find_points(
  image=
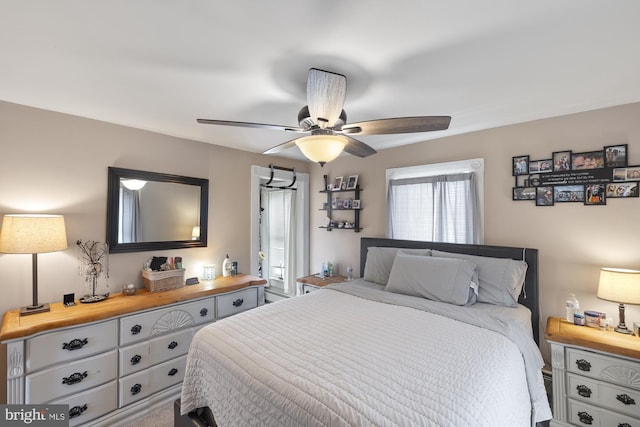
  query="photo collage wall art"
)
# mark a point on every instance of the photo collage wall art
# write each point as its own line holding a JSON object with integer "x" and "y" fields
{"x": 589, "y": 177}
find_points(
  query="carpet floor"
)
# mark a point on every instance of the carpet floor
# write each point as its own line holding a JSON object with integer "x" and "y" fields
{"x": 161, "y": 418}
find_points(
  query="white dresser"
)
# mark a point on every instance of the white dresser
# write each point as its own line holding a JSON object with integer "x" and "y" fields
{"x": 116, "y": 360}
{"x": 596, "y": 376}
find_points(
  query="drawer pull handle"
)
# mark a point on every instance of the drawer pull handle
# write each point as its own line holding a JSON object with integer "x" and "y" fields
{"x": 626, "y": 399}
{"x": 136, "y": 359}
{"x": 137, "y": 388}
{"x": 585, "y": 418}
{"x": 74, "y": 378}
{"x": 76, "y": 411}
{"x": 75, "y": 344}
{"x": 172, "y": 372}
{"x": 624, "y": 425}
{"x": 238, "y": 302}
{"x": 204, "y": 312}
{"x": 584, "y": 391}
{"x": 172, "y": 345}
{"x": 583, "y": 365}
{"x": 135, "y": 330}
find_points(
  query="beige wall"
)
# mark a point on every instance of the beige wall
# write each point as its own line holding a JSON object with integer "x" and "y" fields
{"x": 574, "y": 240}
{"x": 56, "y": 163}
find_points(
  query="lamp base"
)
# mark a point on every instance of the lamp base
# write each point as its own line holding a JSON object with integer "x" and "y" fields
{"x": 34, "y": 309}
{"x": 623, "y": 330}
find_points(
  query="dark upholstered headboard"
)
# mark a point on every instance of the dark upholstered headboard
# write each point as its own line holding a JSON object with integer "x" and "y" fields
{"x": 529, "y": 295}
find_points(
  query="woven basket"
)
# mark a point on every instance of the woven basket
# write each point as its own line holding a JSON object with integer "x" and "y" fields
{"x": 163, "y": 280}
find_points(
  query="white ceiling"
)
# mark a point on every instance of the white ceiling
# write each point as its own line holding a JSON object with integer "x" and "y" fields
{"x": 159, "y": 65}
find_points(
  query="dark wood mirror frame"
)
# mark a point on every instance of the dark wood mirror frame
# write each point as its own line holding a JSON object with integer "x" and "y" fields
{"x": 113, "y": 190}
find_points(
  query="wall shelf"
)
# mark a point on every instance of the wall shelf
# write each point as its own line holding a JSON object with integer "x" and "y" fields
{"x": 330, "y": 210}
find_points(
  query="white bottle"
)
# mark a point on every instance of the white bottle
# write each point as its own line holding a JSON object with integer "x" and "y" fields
{"x": 226, "y": 267}
{"x": 572, "y": 307}
{"x": 349, "y": 273}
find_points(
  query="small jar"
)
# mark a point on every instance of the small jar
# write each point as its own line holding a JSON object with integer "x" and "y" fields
{"x": 209, "y": 272}
{"x": 578, "y": 319}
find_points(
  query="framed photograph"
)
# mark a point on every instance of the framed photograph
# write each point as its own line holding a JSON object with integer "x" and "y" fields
{"x": 544, "y": 196}
{"x": 524, "y": 193}
{"x": 619, "y": 174}
{"x": 337, "y": 183}
{"x": 587, "y": 160}
{"x": 568, "y": 193}
{"x": 352, "y": 182}
{"x": 561, "y": 161}
{"x": 520, "y": 165}
{"x": 615, "y": 156}
{"x": 594, "y": 194}
{"x": 541, "y": 166}
{"x": 633, "y": 173}
{"x": 355, "y": 204}
{"x": 347, "y": 203}
{"x": 616, "y": 190}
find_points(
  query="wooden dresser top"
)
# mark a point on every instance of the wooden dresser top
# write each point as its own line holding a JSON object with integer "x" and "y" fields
{"x": 560, "y": 331}
{"x": 15, "y": 326}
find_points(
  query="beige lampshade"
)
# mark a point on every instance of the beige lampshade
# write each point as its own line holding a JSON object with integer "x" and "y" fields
{"x": 32, "y": 234}
{"x": 322, "y": 148}
{"x": 619, "y": 285}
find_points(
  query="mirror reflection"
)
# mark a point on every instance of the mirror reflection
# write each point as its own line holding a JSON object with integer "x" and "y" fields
{"x": 148, "y": 210}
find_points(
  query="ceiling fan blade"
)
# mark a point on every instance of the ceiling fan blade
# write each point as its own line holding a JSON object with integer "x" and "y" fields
{"x": 358, "y": 148}
{"x": 325, "y": 96}
{"x": 251, "y": 125}
{"x": 398, "y": 125}
{"x": 281, "y": 147}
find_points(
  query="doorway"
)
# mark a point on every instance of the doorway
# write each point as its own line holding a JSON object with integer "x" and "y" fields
{"x": 279, "y": 229}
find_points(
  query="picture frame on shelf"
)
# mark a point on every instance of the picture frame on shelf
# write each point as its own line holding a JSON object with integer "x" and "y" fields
{"x": 352, "y": 182}
{"x": 347, "y": 203}
{"x": 337, "y": 183}
{"x": 355, "y": 204}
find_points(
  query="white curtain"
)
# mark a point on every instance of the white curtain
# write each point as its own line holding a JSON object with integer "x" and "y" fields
{"x": 130, "y": 225}
{"x": 442, "y": 208}
{"x": 290, "y": 239}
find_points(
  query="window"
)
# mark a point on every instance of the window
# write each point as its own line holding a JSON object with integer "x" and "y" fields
{"x": 441, "y": 202}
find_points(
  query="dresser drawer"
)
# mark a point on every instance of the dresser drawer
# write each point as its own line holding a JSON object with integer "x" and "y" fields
{"x": 593, "y": 392}
{"x": 134, "y": 387}
{"x": 599, "y": 366}
{"x": 308, "y": 288}
{"x": 236, "y": 302}
{"x": 142, "y": 326}
{"x": 70, "y": 378}
{"x": 90, "y": 404}
{"x": 167, "y": 374}
{"x": 581, "y": 414}
{"x": 168, "y": 346}
{"x": 70, "y": 344}
{"x": 134, "y": 358}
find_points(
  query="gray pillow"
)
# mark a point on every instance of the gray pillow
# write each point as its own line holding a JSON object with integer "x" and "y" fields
{"x": 380, "y": 260}
{"x": 500, "y": 279}
{"x": 447, "y": 280}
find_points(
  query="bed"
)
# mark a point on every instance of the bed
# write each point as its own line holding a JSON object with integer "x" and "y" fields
{"x": 430, "y": 334}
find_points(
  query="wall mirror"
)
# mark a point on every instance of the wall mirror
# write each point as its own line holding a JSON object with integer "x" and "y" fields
{"x": 149, "y": 211}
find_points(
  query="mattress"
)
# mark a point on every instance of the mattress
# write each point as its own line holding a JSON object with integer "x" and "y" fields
{"x": 353, "y": 355}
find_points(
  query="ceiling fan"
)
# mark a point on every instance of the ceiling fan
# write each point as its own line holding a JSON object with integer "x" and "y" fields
{"x": 325, "y": 122}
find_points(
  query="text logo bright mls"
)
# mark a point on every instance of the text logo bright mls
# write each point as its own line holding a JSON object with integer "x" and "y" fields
{"x": 35, "y": 415}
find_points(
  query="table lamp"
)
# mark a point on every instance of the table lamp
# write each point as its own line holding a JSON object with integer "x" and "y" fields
{"x": 33, "y": 234}
{"x": 621, "y": 286}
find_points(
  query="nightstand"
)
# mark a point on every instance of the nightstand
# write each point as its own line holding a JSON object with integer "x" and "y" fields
{"x": 596, "y": 375}
{"x": 314, "y": 282}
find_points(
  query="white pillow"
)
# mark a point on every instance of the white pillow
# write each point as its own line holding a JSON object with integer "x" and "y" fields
{"x": 440, "y": 279}
{"x": 380, "y": 260}
{"x": 500, "y": 279}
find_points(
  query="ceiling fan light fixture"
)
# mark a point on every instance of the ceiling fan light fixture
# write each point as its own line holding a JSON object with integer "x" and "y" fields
{"x": 322, "y": 148}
